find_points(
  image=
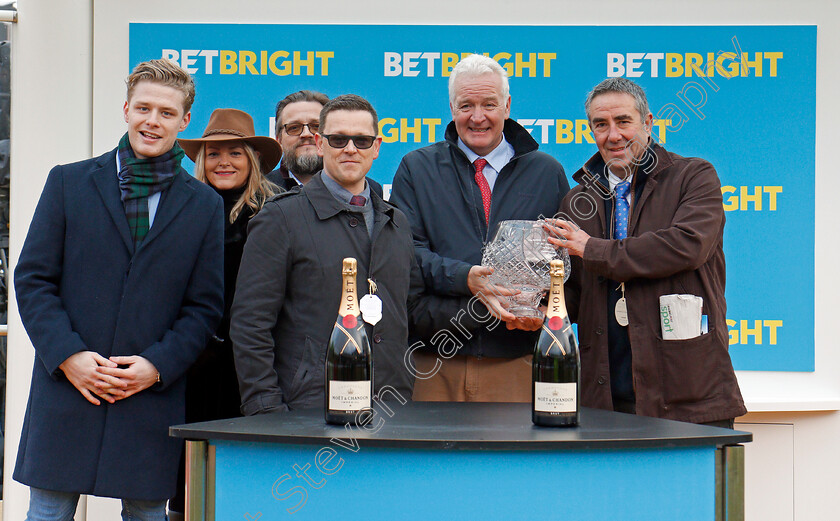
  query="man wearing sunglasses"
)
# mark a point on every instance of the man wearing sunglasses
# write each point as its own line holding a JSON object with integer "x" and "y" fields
{"x": 289, "y": 283}
{"x": 296, "y": 123}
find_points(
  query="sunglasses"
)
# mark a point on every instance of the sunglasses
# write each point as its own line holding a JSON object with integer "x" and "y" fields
{"x": 295, "y": 129}
{"x": 341, "y": 140}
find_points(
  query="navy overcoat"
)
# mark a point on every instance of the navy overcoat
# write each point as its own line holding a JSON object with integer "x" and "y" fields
{"x": 81, "y": 285}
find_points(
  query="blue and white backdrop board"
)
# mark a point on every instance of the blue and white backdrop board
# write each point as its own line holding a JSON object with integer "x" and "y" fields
{"x": 742, "y": 97}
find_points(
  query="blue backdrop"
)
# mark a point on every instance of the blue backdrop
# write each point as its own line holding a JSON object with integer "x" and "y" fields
{"x": 741, "y": 97}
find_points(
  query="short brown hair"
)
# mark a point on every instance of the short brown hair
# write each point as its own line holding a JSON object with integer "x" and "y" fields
{"x": 164, "y": 72}
{"x": 350, "y": 102}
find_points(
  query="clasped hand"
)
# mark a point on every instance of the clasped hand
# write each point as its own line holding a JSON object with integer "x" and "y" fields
{"x": 110, "y": 379}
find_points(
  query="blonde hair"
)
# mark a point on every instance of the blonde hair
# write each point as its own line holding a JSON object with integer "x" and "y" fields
{"x": 258, "y": 189}
{"x": 166, "y": 73}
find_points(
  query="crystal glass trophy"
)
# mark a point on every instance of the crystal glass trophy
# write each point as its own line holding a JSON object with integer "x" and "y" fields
{"x": 520, "y": 255}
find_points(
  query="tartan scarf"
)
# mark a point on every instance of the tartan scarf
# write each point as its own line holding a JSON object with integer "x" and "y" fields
{"x": 141, "y": 178}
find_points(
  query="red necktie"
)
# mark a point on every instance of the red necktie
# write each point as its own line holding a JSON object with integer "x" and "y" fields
{"x": 480, "y": 163}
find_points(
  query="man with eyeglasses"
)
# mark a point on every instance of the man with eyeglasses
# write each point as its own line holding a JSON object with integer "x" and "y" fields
{"x": 289, "y": 283}
{"x": 454, "y": 193}
{"x": 295, "y": 126}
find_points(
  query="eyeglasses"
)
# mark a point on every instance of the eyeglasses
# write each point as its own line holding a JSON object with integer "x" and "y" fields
{"x": 341, "y": 140}
{"x": 295, "y": 129}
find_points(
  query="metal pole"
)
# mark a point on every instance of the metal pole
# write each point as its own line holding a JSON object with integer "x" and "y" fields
{"x": 196, "y": 480}
{"x": 729, "y": 483}
{"x": 734, "y": 456}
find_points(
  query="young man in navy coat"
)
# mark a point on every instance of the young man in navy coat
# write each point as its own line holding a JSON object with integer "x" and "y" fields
{"x": 119, "y": 286}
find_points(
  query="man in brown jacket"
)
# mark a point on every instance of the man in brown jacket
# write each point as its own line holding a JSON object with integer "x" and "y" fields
{"x": 643, "y": 223}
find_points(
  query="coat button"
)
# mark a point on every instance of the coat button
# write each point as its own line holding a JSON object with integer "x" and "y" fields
{"x": 599, "y": 331}
{"x": 377, "y": 338}
{"x": 354, "y": 222}
{"x": 601, "y": 380}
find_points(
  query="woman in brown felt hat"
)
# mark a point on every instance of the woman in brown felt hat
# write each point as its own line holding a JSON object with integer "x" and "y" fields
{"x": 231, "y": 159}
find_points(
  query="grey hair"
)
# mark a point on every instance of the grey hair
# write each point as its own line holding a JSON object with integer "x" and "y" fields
{"x": 620, "y": 85}
{"x": 478, "y": 65}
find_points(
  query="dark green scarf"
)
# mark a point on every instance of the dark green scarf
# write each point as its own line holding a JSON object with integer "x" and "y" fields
{"x": 141, "y": 178}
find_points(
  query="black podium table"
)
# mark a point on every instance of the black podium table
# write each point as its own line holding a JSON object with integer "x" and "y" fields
{"x": 431, "y": 461}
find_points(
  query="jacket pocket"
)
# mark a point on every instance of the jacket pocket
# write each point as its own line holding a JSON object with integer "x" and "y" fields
{"x": 306, "y": 380}
{"x": 690, "y": 368}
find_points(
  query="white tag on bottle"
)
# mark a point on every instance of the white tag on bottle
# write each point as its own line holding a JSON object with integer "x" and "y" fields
{"x": 621, "y": 312}
{"x": 371, "y": 308}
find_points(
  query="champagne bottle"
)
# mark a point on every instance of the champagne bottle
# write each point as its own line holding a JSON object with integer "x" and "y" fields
{"x": 556, "y": 366}
{"x": 349, "y": 361}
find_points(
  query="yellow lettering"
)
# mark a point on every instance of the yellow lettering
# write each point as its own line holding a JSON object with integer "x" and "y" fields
{"x": 755, "y": 64}
{"x": 309, "y": 63}
{"x": 673, "y": 65}
{"x": 393, "y": 130}
{"x": 693, "y": 61}
{"x": 710, "y": 64}
{"x": 734, "y": 66}
{"x": 582, "y": 131}
{"x": 431, "y": 125}
{"x": 755, "y": 198}
{"x": 742, "y": 201}
{"x": 741, "y": 335}
{"x": 772, "y": 325}
{"x": 733, "y": 333}
{"x": 731, "y": 203}
{"x": 662, "y": 125}
{"x": 227, "y": 62}
{"x": 746, "y": 332}
{"x": 448, "y": 61}
{"x": 325, "y": 56}
{"x": 392, "y": 135}
{"x": 772, "y": 190}
{"x": 773, "y": 56}
{"x": 565, "y": 135}
{"x": 247, "y": 59}
{"x": 286, "y": 65}
{"x": 546, "y": 58}
{"x": 507, "y": 65}
{"x": 530, "y": 64}
{"x": 415, "y": 130}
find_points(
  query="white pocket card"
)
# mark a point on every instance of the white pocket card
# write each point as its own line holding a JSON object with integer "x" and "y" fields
{"x": 680, "y": 316}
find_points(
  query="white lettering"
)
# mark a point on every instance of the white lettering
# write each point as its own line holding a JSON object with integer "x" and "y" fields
{"x": 392, "y": 64}
{"x": 615, "y": 65}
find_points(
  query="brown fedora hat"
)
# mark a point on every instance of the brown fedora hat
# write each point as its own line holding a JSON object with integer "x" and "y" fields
{"x": 235, "y": 125}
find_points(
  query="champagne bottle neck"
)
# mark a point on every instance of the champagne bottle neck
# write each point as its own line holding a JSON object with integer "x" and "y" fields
{"x": 556, "y": 299}
{"x": 349, "y": 299}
